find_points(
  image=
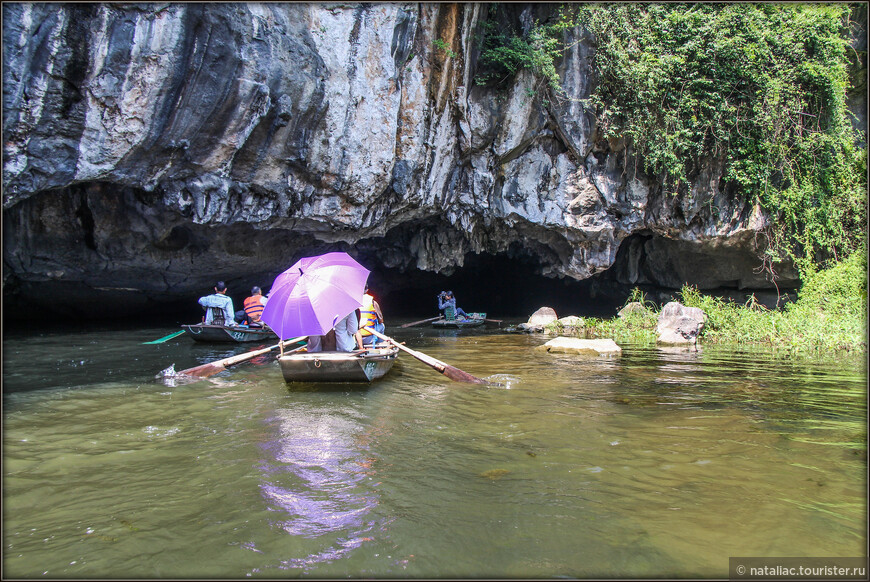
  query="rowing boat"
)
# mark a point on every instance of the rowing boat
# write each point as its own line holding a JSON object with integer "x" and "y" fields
{"x": 338, "y": 366}
{"x": 472, "y": 320}
{"x": 209, "y": 333}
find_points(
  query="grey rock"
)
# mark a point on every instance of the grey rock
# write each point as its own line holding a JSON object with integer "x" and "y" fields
{"x": 542, "y": 317}
{"x": 587, "y": 347}
{"x": 633, "y": 307}
{"x": 678, "y": 324}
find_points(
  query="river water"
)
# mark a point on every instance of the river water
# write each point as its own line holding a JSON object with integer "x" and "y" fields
{"x": 655, "y": 463}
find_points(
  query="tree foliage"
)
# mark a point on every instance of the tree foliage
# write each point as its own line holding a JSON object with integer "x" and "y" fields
{"x": 760, "y": 88}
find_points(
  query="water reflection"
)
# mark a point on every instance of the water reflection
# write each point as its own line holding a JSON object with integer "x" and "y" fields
{"x": 315, "y": 480}
{"x": 659, "y": 463}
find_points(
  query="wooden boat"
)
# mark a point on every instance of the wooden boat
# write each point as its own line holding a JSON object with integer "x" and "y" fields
{"x": 473, "y": 320}
{"x": 202, "y": 332}
{"x": 338, "y": 366}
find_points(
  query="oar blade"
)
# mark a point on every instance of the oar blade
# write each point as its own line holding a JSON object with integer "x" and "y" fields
{"x": 205, "y": 370}
{"x": 164, "y": 338}
{"x": 458, "y": 375}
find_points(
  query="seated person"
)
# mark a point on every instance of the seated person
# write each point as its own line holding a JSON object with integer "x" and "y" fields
{"x": 321, "y": 343}
{"x": 370, "y": 316}
{"x": 344, "y": 337}
{"x": 253, "y": 308}
{"x": 218, "y": 306}
{"x": 445, "y": 300}
{"x": 347, "y": 335}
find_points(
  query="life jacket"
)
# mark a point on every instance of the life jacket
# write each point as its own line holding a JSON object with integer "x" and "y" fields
{"x": 254, "y": 307}
{"x": 367, "y": 314}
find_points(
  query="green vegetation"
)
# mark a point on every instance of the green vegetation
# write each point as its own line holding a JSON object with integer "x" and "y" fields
{"x": 759, "y": 88}
{"x": 830, "y": 314}
{"x": 441, "y": 44}
{"x": 505, "y": 53}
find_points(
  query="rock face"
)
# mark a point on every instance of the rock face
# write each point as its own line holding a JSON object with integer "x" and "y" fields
{"x": 679, "y": 325}
{"x": 151, "y": 149}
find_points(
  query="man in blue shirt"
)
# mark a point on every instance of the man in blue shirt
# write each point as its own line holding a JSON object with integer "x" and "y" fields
{"x": 218, "y": 302}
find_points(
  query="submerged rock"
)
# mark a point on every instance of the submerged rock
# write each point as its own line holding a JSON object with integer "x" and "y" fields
{"x": 494, "y": 474}
{"x": 587, "y": 347}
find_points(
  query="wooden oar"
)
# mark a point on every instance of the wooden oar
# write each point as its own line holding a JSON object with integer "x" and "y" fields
{"x": 212, "y": 368}
{"x": 421, "y": 321}
{"x": 166, "y": 338}
{"x": 451, "y": 372}
{"x": 498, "y": 321}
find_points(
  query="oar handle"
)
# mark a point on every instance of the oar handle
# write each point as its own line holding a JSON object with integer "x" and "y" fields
{"x": 212, "y": 368}
{"x": 437, "y": 364}
{"x": 421, "y": 321}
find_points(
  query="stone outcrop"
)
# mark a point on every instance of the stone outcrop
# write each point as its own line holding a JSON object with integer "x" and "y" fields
{"x": 542, "y": 317}
{"x": 152, "y": 148}
{"x": 538, "y": 321}
{"x": 678, "y": 324}
{"x": 584, "y": 347}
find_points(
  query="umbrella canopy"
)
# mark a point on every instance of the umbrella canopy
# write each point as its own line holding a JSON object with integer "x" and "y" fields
{"x": 314, "y": 294}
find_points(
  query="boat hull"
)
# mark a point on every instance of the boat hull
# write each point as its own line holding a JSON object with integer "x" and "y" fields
{"x": 329, "y": 367}
{"x": 473, "y": 320}
{"x": 221, "y": 333}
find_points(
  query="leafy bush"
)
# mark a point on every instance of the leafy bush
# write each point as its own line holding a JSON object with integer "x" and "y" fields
{"x": 761, "y": 87}
{"x": 830, "y": 313}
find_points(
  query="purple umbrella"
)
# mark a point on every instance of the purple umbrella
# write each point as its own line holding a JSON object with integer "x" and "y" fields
{"x": 314, "y": 294}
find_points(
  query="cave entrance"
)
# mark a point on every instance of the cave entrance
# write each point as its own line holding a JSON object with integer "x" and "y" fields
{"x": 501, "y": 286}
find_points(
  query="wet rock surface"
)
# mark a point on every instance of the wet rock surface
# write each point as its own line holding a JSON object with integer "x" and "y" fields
{"x": 150, "y": 150}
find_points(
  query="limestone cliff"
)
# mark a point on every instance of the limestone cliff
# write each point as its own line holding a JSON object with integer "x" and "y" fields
{"x": 151, "y": 148}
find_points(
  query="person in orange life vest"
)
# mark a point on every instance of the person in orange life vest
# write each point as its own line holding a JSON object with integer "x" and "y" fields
{"x": 370, "y": 315}
{"x": 253, "y": 308}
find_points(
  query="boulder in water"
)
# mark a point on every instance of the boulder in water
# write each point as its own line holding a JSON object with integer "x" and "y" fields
{"x": 587, "y": 347}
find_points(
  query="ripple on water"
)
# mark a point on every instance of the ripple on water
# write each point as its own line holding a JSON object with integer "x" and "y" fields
{"x": 653, "y": 464}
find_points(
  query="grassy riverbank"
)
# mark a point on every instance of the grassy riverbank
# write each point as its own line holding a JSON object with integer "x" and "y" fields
{"x": 829, "y": 314}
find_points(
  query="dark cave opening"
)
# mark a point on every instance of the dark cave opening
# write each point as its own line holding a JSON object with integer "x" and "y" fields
{"x": 502, "y": 287}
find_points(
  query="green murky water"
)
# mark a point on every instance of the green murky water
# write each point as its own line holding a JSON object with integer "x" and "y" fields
{"x": 660, "y": 462}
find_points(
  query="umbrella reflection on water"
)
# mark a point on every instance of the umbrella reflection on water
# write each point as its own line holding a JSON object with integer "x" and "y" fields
{"x": 314, "y": 483}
